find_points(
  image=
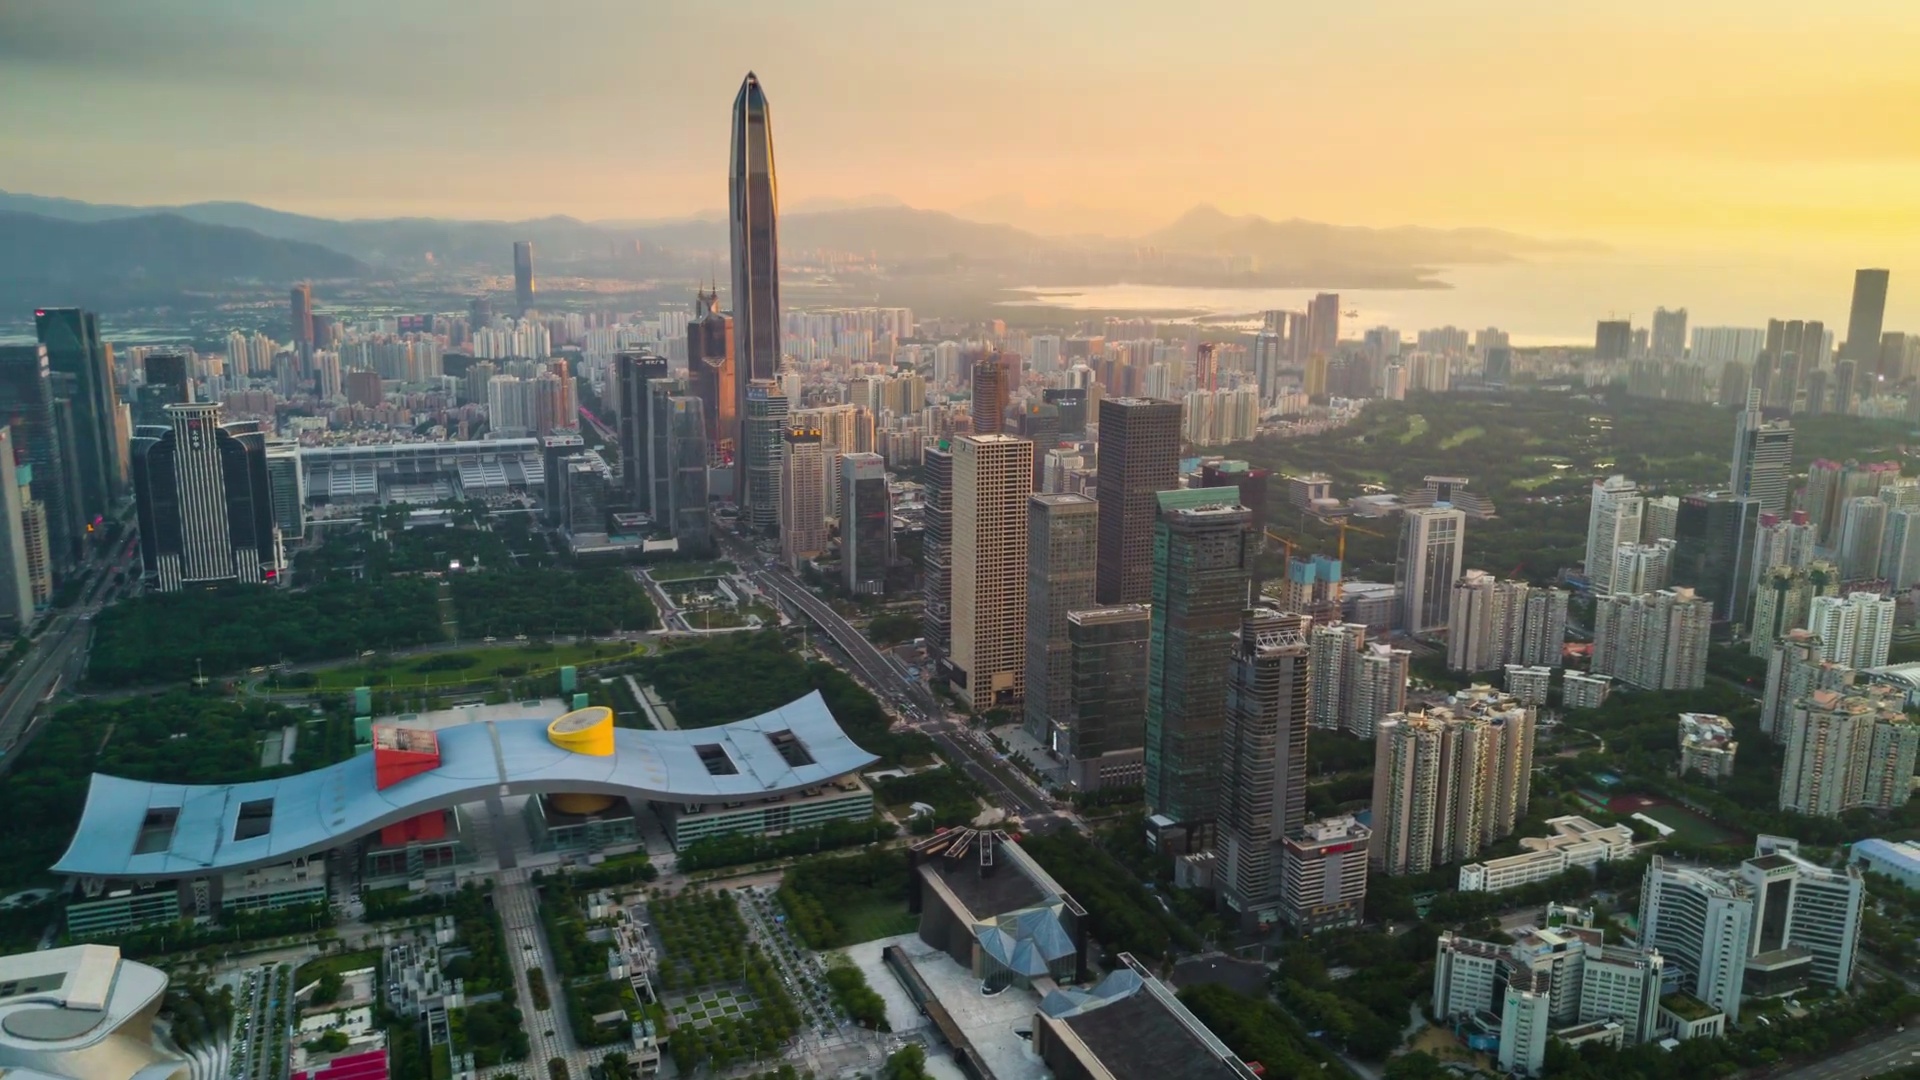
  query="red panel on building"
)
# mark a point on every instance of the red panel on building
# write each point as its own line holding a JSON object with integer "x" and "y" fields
{"x": 402, "y": 752}
{"x": 368, "y": 1066}
{"x": 428, "y": 826}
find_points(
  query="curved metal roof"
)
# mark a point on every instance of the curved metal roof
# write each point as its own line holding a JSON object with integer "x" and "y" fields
{"x": 317, "y": 810}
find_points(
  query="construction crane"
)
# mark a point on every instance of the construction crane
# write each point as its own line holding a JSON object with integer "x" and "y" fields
{"x": 1340, "y": 551}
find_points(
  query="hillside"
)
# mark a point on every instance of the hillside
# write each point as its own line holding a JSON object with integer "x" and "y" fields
{"x": 152, "y": 251}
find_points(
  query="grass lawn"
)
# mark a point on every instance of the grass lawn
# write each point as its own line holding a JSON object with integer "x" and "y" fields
{"x": 1416, "y": 427}
{"x": 681, "y": 571}
{"x": 337, "y": 962}
{"x": 486, "y": 664}
{"x": 1461, "y": 437}
{"x": 1690, "y": 826}
{"x": 870, "y": 921}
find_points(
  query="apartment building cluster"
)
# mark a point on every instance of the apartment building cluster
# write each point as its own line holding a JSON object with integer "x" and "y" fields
{"x": 1450, "y": 780}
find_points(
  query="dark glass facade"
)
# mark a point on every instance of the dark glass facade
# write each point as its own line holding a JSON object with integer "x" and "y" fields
{"x": 1139, "y": 458}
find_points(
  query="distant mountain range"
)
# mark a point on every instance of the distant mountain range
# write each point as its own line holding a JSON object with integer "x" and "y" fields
{"x": 149, "y": 255}
{"x": 64, "y": 241}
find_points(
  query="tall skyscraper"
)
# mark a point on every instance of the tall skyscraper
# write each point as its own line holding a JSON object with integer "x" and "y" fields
{"x": 632, "y": 371}
{"x": 1713, "y": 549}
{"x": 1432, "y": 543}
{"x": 1106, "y": 723}
{"x": 1448, "y": 782}
{"x": 1263, "y": 755}
{"x": 1062, "y": 537}
{"x": 26, "y": 404}
{"x": 301, "y": 317}
{"x": 803, "y": 484}
{"x": 711, "y": 369}
{"x": 16, "y": 575}
{"x": 1139, "y": 458}
{"x": 691, "y": 527}
{"x": 936, "y": 553}
{"x": 1612, "y": 339}
{"x": 1202, "y": 563}
{"x": 74, "y": 349}
{"x": 1669, "y": 334}
{"x": 753, "y": 197}
{"x": 523, "y": 276}
{"x": 866, "y": 524}
{"x": 1072, "y": 403}
{"x": 1866, "y": 318}
{"x": 1323, "y": 328}
{"x": 1039, "y": 424}
{"x": 205, "y": 501}
{"x": 1614, "y": 515}
{"x": 763, "y": 421}
{"x": 992, "y": 481}
{"x": 1762, "y": 458}
{"x": 992, "y": 386}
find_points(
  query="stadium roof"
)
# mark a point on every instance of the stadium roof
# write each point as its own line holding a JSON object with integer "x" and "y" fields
{"x": 140, "y": 829}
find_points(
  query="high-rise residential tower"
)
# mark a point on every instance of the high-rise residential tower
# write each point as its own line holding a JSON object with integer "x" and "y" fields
{"x": 205, "y": 500}
{"x": 711, "y": 371}
{"x": 1448, "y": 782}
{"x": 1202, "y": 563}
{"x": 1669, "y": 334}
{"x": 762, "y": 421}
{"x": 301, "y": 316}
{"x": 1866, "y": 318}
{"x": 753, "y": 198}
{"x": 1432, "y": 546}
{"x": 523, "y": 275}
{"x": 1139, "y": 458}
{"x": 1263, "y": 755}
{"x": 1614, "y": 514}
{"x": 866, "y": 524}
{"x": 992, "y": 480}
{"x": 1062, "y": 537}
{"x": 803, "y": 485}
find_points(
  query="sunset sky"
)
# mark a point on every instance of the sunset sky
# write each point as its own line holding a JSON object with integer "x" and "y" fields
{"x": 1790, "y": 127}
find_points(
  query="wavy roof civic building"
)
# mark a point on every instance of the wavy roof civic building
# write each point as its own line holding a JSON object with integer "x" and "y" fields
{"x": 147, "y": 830}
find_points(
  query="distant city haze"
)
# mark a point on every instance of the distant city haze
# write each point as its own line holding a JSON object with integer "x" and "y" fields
{"x": 1677, "y": 128}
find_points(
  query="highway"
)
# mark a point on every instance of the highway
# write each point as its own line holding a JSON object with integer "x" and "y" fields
{"x": 59, "y": 653}
{"x": 1895, "y": 1052}
{"x": 888, "y": 679}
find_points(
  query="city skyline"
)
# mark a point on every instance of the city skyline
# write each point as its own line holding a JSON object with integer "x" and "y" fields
{"x": 1690, "y": 132}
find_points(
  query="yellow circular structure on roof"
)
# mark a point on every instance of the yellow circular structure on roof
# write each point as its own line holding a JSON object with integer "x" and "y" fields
{"x": 584, "y": 731}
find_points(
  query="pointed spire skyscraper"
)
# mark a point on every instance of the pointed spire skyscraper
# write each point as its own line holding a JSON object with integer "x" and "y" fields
{"x": 753, "y": 209}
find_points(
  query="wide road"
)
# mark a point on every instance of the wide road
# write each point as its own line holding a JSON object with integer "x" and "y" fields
{"x": 59, "y": 652}
{"x": 888, "y": 679}
{"x": 1897, "y": 1051}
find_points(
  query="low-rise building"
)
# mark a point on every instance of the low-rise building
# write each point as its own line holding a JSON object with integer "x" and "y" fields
{"x": 1575, "y": 841}
{"x": 1897, "y": 859}
{"x": 82, "y": 1012}
{"x": 1707, "y": 745}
